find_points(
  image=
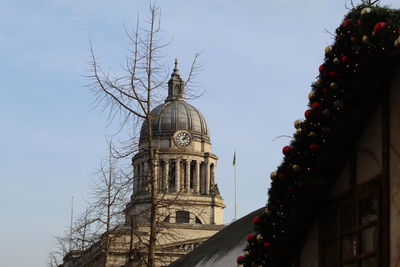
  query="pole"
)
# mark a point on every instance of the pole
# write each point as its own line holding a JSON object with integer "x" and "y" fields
{"x": 235, "y": 194}
{"x": 70, "y": 226}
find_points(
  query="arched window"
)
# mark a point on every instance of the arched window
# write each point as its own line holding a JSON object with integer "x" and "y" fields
{"x": 197, "y": 220}
{"x": 182, "y": 216}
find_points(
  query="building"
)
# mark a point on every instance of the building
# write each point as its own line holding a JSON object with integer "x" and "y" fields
{"x": 189, "y": 205}
{"x": 335, "y": 199}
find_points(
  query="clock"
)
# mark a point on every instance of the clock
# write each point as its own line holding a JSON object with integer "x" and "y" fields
{"x": 182, "y": 138}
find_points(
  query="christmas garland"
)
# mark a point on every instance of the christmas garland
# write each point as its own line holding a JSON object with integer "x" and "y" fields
{"x": 365, "y": 32}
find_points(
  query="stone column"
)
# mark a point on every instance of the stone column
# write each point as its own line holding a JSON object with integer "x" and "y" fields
{"x": 137, "y": 177}
{"x": 177, "y": 175}
{"x": 207, "y": 175}
{"x": 188, "y": 175}
{"x": 145, "y": 178}
{"x": 197, "y": 177}
{"x": 155, "y": 163}
{"x": 166, "y": 174}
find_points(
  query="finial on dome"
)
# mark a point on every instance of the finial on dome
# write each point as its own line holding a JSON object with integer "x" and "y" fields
{"x": 175, "y": 85}
{"x": 176, "y": 70}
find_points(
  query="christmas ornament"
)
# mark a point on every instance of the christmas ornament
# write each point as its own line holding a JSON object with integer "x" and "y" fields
{"x": 346, "y": 23}
{"x": 308, "y": 113}
{"x": 250, "y": 238}
{"x": 267, "y": 245}
{"x": 328, "y": 50}
{"x": 345, "y": 59}
{"x": 311, "y": 95}
{"x": 299, "y": 131}
{"x": 321, "y": 68}
{"x": 314, "y": 148}
{"x": 296, "y": 168}
{"x": 297, "y": 123}
{"x": 259, "y": 238}
{"x": 336, "y": 61}
{"x": 325, "y": 129}
{"x": 365, "y": 10}
{"x": 333, "y": 85}
{"x": 397, "y": 42}
{"x": 312, "y": 135}
{"x": 365, "y": 38}
{"x": 286, "y": 150}
{"x": 326, "y": 112}
{"x": 273, "y": 175}
{"x": 256, "y": 220}
{"x": 240, "y": 259}
{"x": 378, "y": 26}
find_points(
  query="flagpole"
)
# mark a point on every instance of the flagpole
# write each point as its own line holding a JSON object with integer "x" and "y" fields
{"x": 235, "y": 193}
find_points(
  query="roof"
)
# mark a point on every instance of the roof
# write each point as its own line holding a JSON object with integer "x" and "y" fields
{"x": 227, "y": 243}
{"x": 355, "y": 75}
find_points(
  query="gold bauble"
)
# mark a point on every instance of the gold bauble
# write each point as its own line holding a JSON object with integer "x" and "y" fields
{"x": 338, "y": 104}
{"x": 311, "y": 95}
{"x": 365, "y": 10}
{"x": 365, "y": 38}
{"x": 267, "y": 211}
{"x": 333, "y": 85}
{"x": 299, "y": 131}
{"x": 336, "y": 61}
{"x": 296, "y": 168}
{"x": 328, "y": 50}
{"x": 312, "y": 135}
{"x": 273, "y": 175}
{"x": 297, "y": 123}
{"x": 259, "y": 238}
{"x": 326, "y": 112}
{"x": 397, "y": 42}
{"x": 325, "y": 129}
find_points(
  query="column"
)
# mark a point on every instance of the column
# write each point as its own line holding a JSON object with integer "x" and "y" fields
{"x": 177, "y": 175}
{"x": 155, "y": 164}
{"x": 166, "y": 172}
{"x": 207, "y": 174}
{"x": 188, "y": 175}
{"x": 145, "y": 178}
{"x": 197, "y": 177}
{"x": 137, "y": 177}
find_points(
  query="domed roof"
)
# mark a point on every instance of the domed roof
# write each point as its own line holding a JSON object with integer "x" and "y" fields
{"x": 175, "y": 114}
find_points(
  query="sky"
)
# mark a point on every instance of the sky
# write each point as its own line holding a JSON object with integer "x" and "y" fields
{"x": 258, "y": 60}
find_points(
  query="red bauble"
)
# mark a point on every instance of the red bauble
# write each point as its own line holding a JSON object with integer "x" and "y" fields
{"x": 359, "y": 23}
{"x": 267, "y": 245}
{"x": 314, "y": 147}
{"x": 308, "y": 113}
{"x": 256, "y": 220}
{"x": 325, "y": 90}
{"x": 240, "y": 259}
{"x": 346, "y": 23}
{"x": 281, "y": 176}
{"x": 316, "y": 107}
{"x": 322, "y": 68}
{"x": 345, "y": 59}
{"x": 378, "y": 26}
{"x": 250, "y": 238}
{"x": 286, "y": 150}
{"x": 332, "y": 73}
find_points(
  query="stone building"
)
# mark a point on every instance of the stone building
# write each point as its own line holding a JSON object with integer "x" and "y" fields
{"x": 190, "y": 207}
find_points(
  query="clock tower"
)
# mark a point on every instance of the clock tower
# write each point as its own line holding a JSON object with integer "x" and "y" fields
{"x": 190, "y": 204}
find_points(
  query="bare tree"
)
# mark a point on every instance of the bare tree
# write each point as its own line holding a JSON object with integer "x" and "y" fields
{"x": 132, "y": 96}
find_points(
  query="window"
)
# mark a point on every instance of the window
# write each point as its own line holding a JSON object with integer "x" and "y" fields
{"x": 198, "y": 220}
{"x": 182, "y": 217}
{"x": 349, "y": 231}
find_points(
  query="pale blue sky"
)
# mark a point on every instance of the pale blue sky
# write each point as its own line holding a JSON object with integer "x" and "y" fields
{"x": 259, "y": 58}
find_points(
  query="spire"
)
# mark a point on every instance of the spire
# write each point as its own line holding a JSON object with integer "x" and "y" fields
{"x": 175, "y": 85}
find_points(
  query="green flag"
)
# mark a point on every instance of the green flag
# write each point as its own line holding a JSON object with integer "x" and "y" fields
{"x": 234, "y": 159}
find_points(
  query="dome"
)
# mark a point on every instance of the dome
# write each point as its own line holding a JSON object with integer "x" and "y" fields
{"x": 177, "y": 115}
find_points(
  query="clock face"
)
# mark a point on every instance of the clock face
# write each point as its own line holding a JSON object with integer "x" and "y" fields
{"x": 183, "y": 139}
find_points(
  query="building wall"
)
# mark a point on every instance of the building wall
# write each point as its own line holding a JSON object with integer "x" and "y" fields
{"x": 394, "y": 169}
